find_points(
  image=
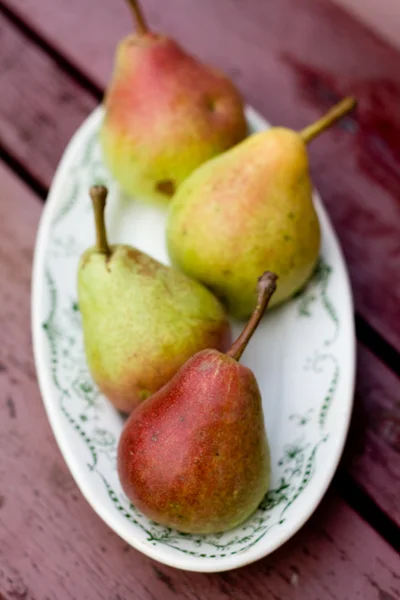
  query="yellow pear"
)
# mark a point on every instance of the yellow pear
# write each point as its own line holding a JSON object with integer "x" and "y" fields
{"x": 247, "y": 211}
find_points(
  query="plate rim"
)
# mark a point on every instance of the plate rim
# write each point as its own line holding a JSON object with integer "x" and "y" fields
{"x": 208, "y": 565}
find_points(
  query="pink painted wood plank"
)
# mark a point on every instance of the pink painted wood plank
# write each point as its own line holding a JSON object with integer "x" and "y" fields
{"x": 372, "y": 454}
{"x": 53, "y": 546}
{"x": 40, "y": 107}
{"x": 291, "y": 60}
{"x": 381, "y": 15}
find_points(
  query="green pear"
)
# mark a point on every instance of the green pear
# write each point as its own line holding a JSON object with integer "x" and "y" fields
{"x": 248, "y": 210}
{"x": 195, "y": 455}
{"x": 165, "y": 114}
{"x": 141, "y": 320}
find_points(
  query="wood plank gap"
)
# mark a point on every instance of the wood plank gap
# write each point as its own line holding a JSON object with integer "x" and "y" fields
{"x": 67, "y": 66}
{"x": 18, "y": 168}
{"x": 370, "y": 338}
{"x": 368, "y": 510}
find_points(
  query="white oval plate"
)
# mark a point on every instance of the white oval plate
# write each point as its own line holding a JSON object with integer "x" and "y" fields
{"x": 303, "y": 356}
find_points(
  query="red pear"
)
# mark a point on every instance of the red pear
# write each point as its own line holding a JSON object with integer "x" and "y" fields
{"x": 195, "y": 455}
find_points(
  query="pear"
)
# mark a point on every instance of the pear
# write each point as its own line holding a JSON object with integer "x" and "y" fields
{"x": 141, "y": 320}
{"x": 165, "y": 114}
{"x": 195, "y": 455}
{"x": 248, "y": 210}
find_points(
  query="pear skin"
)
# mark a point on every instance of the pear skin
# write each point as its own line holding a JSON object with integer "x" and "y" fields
{"x": 165, "y": 114}
{"x": 141, "y": 320}
{"x": 213, "y": 442}
{"x": 248, "y": 210}
{"x": 195, "y": 456}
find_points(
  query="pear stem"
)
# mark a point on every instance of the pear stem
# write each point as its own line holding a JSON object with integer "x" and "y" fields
{"x": 140, "y": 21}
{"x": 336, "y": 113}
{"x": 265, "y": 288}
{"x": 98, "y": 194}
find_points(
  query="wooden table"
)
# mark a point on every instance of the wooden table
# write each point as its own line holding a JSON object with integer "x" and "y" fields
{"x": 292, "y": 59}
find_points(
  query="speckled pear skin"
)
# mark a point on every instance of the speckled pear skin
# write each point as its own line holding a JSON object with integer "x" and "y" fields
{"x": 207, "y": 425}
{"x": 141, "y": 321}
{"x": 244, "y": 212}
{"x": 165, "y": 114}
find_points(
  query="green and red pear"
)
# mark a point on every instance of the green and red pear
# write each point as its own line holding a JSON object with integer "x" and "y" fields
{"x": 165, "y": 114}
{"x": 141, "y": 320}
{"x": 249, "y": 210}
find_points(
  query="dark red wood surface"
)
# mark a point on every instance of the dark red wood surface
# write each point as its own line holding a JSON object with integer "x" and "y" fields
{"x": 291, "y": 60}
